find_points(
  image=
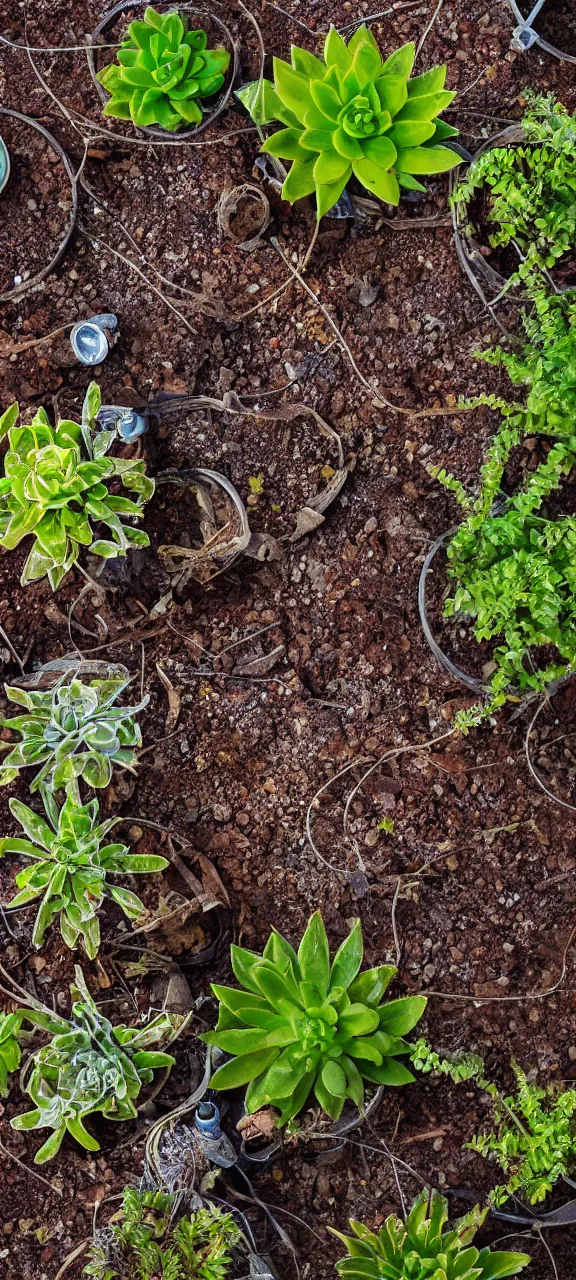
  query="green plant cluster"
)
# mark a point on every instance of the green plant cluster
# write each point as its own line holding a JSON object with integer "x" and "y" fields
{"x": 422, "y": 1248}
{"x": 55, "y": 483}
{"x": 10, "y": 1052}
{"x": 351, "y": 113}
{"x": 535, "y": 1141}
{"x": 512, "y": 567}
{"x": 71, "y": 863}
{"x": 303, "y": 1024}
{"x": 73, "y": 731}
{"x": 459, "y": 1066}
{"x": 531, "y": 187}
{"x": 163, "y": 73}
{"x": 89, "y": 1066}
{"x": 153, "y": 1238}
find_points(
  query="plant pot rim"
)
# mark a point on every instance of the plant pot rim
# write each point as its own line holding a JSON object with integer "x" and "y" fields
{"x": 338, "y": 1129}
{"x": 26, "y": 285}
{"x": 153, "y": 131}
{"x": 544, "y": 44}
{"x": 473, "y": 683}
{"x": 474, "y": 265}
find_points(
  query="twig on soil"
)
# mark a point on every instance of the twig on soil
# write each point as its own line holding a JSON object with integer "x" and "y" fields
{"x": 394, "y": 925}
{"x": 537, "y": 995}
{"x": 428, "y": 29}
{"x": 19, "y": 348}
{"x": 12, "y": 649}
{"x": 76, "y": 1253}
{"x": 98, "y": 243}
{"x": 379, "y": 398}
{"x": 6, "y": 1151}
{"x": 551, "y": 796}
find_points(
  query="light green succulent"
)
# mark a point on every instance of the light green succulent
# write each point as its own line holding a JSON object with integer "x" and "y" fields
{"x": 422, "y": 1249}
{"x": 164, "y": 71}
{"x": 72, "y": 731}
{"x": 302, "y": 1024}
{"x": 350, "y": 113}
{"x": 89, "y": 1066}
{"x": 55, "y": 484}
{"x": 71, "y": 863}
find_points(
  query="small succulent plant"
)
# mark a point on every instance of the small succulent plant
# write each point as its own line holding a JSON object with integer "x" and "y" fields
{"x": 350, "y": 113}
{"x": 164, "y": 71}
{"x": 10, "y": 1024}
{"x": 72, "y": 731}
{"x": 54, "y": 485}
{"x": 89, "y": 1066}
{"x": 303, "y": 1024}
{"x": 155, "y": 1236}
{"x": 421, "y": 1248}
{"x": 70, "y": 868}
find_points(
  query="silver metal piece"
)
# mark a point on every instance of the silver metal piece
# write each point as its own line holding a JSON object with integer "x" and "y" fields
{"x": 4, "y": 164}
{"x": 525, "y": 37}
{"x": 127, "y": 423}
{"x": 88, "y": 338}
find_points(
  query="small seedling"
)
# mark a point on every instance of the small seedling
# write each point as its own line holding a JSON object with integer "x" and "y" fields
{"x": 55, "y": 484}
{"x": 89, "y": 1066}
{"x": 73, "y": 731}
{"x": 535, "y": 1140}
{"x": 303, "y": 1024}
{"x": 70, "y": 869}
{"x": 512, "y": 568}
{"x": 163, "y": 73}
{"x": 351, "y": 114}
{"x": 151, "y": 1238}
{"x": 422, "y": 1248}
{"x": 459, "y": 1066}
{"x": 531, "y": 187}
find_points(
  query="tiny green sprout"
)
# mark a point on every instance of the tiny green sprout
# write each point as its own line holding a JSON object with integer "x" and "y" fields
{"x": 424, "y": 1247}
{"x": 163, "y": 73}
{"x": 256, "y": 484}
{"x": 10, "y": 1053}
{"x": 531, "y": 188}
{"x": 303, "y": 1024}
{"x": 535, "y": 1139}
{"x": 55, "y": 484}
{"x": 386, "y": 824}
{"x": 89, "y": 1066}
{"x": 351, "y": 114}
{"x": 154, "y": 1236}
{"x": 71, "y": 863}
{"x": 73, "y": 731}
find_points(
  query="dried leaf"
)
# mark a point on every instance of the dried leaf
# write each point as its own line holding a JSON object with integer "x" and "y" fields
{"x": 216, "y": 894}
{"x": 260, "y": 665}
{"x": 174, "y": 700}
{"x": 260, "y": 1125}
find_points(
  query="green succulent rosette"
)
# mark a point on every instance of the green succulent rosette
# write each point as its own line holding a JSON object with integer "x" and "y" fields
{"x": 55, "y": 483}
{"x": 424, "y": 1247}
{"x": 302, "y": 1024}
{"x": 163, "y": 73}
{"x": 351, "y": 113}
{"x": 89, "y": 1066}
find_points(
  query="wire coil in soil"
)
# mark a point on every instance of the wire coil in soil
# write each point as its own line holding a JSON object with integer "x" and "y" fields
{"x": 534, "y": 36}
{"x": 106, "y": 25}
{"x": 20, "y": 289}
{"x": 470, "y": 682}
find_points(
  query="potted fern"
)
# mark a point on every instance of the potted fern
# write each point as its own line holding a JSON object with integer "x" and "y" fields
{"x": 514, "y": 207}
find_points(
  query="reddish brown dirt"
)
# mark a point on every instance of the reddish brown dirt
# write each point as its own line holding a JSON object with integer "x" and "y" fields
{"x": 493, "y": 914}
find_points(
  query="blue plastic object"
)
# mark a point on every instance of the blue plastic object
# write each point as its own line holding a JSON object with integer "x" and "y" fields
{"x": 4, "y": 164}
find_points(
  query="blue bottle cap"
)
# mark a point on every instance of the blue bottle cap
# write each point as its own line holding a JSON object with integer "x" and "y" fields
{"x": 4, "y": 164}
